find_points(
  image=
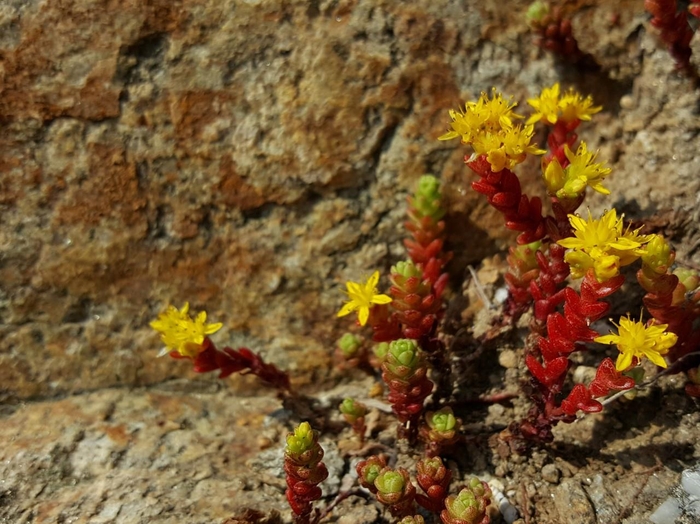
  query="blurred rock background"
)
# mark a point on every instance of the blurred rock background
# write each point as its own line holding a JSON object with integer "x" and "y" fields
{"x": 251, "y": 156}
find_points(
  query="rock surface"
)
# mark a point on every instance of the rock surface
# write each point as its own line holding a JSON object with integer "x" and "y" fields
{"x": 250, "y": 157}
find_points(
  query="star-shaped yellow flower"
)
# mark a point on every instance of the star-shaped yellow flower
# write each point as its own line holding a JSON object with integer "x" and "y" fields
{"x": 570, "y": 107}
{"x": 637, "y": 340}
{"x": 362, "y": 298}
{"x": 582, "y": 171}
{"x": 182, "y": 334}
{"x": 486, "y": 115}
{"x": 506, "y": 148}
{"x": 546, "y": 105}
{"x": 602, "y": 245}
{"x": 575, "y": 107}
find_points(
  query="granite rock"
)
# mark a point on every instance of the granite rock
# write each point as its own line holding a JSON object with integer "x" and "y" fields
{"x": 250, "y": 157}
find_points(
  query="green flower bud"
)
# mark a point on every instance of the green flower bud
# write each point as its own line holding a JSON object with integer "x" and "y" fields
{"x": 427, "y": 198}
{"x": 352, "y": 409}
{"x": 658, "y": 255}
{"x": 470, "y": 505}
{"x": 372, "y": 472}
{"x": 537, "y": 11}
{"x": 414, "y": 519}
{"x": 687, "y": 277}
{"x": 404, "y": 352}
{"x": 349, "y": 344}
{"x": 442, "y": 420}
{"x": 301, "y": 440}
{"x": 381, "y": 350}
{"x": 477, "y": 487}
{"x": 407, "y": 269}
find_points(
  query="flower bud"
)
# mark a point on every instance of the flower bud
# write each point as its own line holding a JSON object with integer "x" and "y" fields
{"x": 349, "y": 344}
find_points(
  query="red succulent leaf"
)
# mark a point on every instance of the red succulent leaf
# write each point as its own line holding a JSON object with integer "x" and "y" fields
{"x": 592, "y": 290}
{"x": 440, "y": 284}
{"x": 552, "y": 348}
{"x": 505, "y": 200}
{"x": 558, "y": 327}
{"x": 484, "y": 188}
{"x": 607, "y": 377}
{"x": 550, "y": 374}
{"x": 580, "y": 399}
{"x": 579, "y": 330}
{"x": 577, "y": 306}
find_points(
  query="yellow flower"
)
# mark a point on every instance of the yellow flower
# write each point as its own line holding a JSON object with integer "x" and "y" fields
{"x": 487, "y": 125}
{"x": 182, "y": 334}
{"x": 507, "y": 148}
{"x": 546, "y": 106}
{"x": 659, "y": 256}
{"x": 574, "y": 107}
{"x": 602, "y": 245}
{"x": 486, "y": 115}
{"x": 496, "y": 112}
{"x": 581, "y": 172}
{"x": 549, "y": 107}
{"x": 637, "y": 340}
{"x": 362, "y": 298}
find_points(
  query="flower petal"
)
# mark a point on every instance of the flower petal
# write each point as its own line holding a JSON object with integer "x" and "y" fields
{"x": 656, "y": 358}
{"x": 348, "y": 308}
{"x": 381, "y": 299}
{"x": 363, "y": 315}
{"x": 623, "y": 361}
{"x": 372, "y": 281}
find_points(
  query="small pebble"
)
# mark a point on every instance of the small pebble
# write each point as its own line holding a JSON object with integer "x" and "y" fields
{"x": 508, "y": 359}
{"x": 551, "y": 474}
{"x": 584, "y": 374}
{"x": 626, "y": 102}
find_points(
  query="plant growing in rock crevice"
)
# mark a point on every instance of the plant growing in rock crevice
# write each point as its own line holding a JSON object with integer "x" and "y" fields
{"x": 563, "y": 243}
{"x": 555, "y": 247}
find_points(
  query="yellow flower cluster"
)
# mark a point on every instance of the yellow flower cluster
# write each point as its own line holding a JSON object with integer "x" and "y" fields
{"x": 582, "y": 171}
{"x": 487, "y": 125}
{"x": 182, "y": 334}
{"x": 634, "y": 339}
{"x": 550, "y": 107}
{"x": 362, "y": 297}
{"x": 602, "y": 245}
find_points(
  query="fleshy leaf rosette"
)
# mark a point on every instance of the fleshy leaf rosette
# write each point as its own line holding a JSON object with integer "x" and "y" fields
{"x": 395, "y": 490}
{"x": 469, "y": 506}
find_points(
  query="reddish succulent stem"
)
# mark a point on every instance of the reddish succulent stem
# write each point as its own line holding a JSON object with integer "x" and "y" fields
{"x": 420, "y": 317}
{"x": 524, "y": 214}
{"x": 555, "y": 34}
{"x": 674, "y": 30}
{"x": 426, "y": 247}
{"x": 304, "y": 474}
{"x": 565, "y": 333}
{"x": 562, "y": 134}
{"x": 384, "y": 323}
{"x": 545, "y": 289}
{"x": 502, "y": 189}
{"x": 228, "y": 361}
